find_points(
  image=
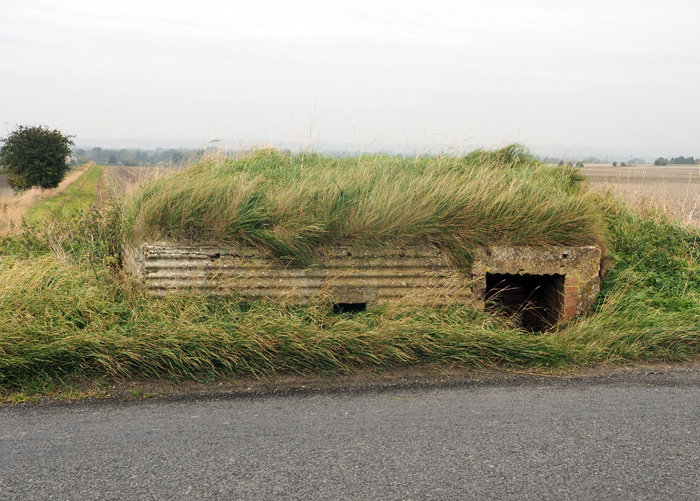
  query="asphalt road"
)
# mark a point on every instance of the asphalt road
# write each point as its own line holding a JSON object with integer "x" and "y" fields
{"x": 607, "y": 437}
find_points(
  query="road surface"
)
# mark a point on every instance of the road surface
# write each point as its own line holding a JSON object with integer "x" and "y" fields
{"x": 606, "y": 437}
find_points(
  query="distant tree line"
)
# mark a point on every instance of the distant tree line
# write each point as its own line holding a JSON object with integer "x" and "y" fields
{"x": 560, "y": 162}
{"x": 676, "y": 161}
{"x": 131, "y": 157}
{"x": 592, "y": 160}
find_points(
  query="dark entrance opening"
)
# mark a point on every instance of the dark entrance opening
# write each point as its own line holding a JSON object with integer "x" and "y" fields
{"x": 349, "y": 307}
{"x": 537, "y": 301}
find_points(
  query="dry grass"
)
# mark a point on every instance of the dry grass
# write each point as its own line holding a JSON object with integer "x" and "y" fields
{"x": 686, "y": 211}
{"x": 122, "y": 180}
{"x": 14, "y": 206}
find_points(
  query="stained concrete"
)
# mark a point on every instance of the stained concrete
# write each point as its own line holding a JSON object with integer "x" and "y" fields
{"x": 415, "y": 274}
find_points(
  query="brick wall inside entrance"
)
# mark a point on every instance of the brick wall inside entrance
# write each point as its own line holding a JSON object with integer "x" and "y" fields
{"x": 536, "y": 300}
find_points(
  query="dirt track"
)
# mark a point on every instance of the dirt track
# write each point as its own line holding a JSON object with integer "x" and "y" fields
{"x": 4, "y": 187}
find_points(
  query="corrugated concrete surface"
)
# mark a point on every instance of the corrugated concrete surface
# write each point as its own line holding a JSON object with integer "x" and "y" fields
{"x": 418, "y": 274}
{"x": 414, "y": 273}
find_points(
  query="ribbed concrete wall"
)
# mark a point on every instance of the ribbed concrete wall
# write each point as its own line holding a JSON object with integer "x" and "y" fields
{"x": 416, "y": 273}
{"x": 420, "y": 274}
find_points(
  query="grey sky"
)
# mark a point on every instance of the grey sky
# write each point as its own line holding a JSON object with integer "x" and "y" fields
{"x": 587, "y": 74}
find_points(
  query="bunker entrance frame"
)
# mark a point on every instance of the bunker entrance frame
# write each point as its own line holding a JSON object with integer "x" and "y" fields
{"x": 543, "y": 285}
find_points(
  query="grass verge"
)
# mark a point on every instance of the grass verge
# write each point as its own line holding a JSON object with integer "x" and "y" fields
{"x": 68, "y": 314}
{"x": 76, "y": 197}
{"x": 14, "y": 206}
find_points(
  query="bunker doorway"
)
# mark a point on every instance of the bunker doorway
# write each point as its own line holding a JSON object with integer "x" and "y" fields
{"x": 537, "y": 301}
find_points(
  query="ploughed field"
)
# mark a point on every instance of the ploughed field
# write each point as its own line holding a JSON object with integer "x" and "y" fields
{"x": 675, "y": 189}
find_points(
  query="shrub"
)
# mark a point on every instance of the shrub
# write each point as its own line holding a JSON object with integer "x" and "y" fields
{"x": 35, "y": 156}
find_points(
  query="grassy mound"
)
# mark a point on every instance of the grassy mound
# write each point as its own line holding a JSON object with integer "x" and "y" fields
{"x": 293, "y": 206}
{"x": 68, "y": 313}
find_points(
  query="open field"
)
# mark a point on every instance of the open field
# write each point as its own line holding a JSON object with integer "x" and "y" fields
{"x": 120, "y": 179}
{"x": 671, "y": 189}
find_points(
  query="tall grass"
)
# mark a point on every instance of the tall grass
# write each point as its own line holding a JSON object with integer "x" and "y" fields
{"x": 68, "y": 312}
{"x": 60, "y": 319}
{"x": 294, "y": 206}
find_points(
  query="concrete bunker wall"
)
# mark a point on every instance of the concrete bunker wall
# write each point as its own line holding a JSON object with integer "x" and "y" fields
{"x": 549, "y": 284}
{"x": 420, "y": 274}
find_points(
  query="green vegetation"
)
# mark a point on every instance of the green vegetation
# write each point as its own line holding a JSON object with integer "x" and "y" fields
{"x": 294, "y": 206}
{"x": 35, "y": 156}
{"x": 68, "y": 312}
{"x": 78, "y": 196}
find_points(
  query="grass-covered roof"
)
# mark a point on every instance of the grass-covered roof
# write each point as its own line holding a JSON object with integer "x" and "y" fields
{"x": 294, "y": 206}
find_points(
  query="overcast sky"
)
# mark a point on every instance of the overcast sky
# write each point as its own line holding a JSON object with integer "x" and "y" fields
{"x": 593, "y": 74}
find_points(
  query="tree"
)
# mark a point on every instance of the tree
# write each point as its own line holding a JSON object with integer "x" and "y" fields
{"x": 660, "y": 161}
{"x": 126, "y": 157}
{"x": 35, "y": 156}
{"x": 683, "y": 160}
